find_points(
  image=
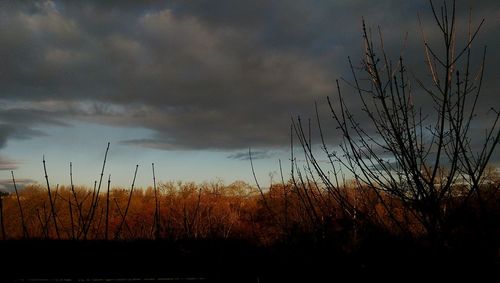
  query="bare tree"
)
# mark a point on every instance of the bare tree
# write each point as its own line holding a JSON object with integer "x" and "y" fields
{"x": 426, "y": 160}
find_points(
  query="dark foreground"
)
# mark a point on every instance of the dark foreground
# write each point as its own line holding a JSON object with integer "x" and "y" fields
{"x": 231, "y": 261}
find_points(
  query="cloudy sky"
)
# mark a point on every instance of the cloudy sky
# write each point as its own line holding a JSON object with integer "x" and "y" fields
{"x": 188, "y": 85}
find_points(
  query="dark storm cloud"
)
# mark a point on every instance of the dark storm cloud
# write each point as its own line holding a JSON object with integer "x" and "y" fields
{"x": 200, "y": 74}
{"x": 21, "y": 123}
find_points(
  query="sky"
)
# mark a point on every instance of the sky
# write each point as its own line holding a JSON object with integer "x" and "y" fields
{"x": 188, "y": 85}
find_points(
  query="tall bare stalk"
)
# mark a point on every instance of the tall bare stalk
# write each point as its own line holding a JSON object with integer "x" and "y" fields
{"x": 157, "y": 216}
{"x": 106, "y": 232}
{"x": 23, "y": 222}
{"x": 52, "y": 208}
{"x": 81, "y": 221}
{"x": 120, "y": 227}
{"x": 95, "y": 197}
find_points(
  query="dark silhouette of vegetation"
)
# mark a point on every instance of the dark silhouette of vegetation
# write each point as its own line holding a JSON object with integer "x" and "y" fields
{"x": 423, "y": 165}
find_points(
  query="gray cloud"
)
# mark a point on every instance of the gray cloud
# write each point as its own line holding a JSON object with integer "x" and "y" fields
{"x": 7, "y": 164}
{"x": 256, "y": 154}
{"x": 200, "y": 74}
{"x": 7, "y": 185}
{"x": 21, "y": 123}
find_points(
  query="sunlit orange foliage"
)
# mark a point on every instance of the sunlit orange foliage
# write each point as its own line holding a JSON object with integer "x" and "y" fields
{"x": 187, "y": 210}
{"x": 211, "y": 210}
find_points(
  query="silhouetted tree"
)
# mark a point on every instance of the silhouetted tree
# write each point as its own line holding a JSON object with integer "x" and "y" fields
{"x": 427, "y": 159}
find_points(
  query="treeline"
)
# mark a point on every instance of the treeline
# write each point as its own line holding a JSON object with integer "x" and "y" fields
{"x": 284, "y": 212}
{"x": 172, "y": 211}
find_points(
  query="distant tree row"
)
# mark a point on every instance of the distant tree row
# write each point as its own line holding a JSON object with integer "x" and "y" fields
{"x": 284, "y": 213}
